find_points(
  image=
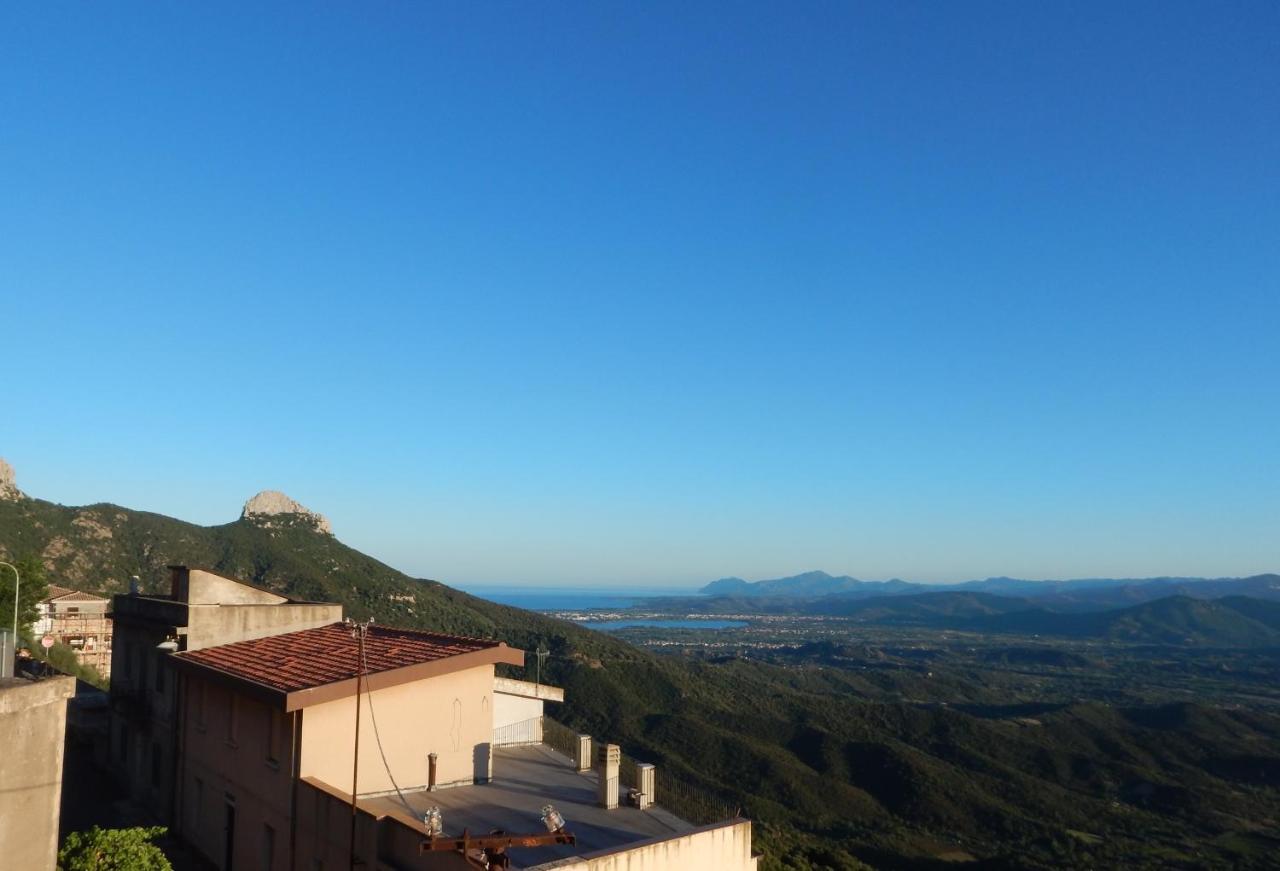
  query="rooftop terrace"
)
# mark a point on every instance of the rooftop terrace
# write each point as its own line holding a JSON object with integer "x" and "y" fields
{"x": 525, "y": 779}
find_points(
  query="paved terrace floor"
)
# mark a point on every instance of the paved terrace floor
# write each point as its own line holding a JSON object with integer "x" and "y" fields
{"x": 524, "y": 779}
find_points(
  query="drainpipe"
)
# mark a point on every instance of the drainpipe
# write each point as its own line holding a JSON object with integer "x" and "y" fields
{"x": 295, "y": 767}
{"x": 179, "y": 745}
{"x": 355, "y": 763}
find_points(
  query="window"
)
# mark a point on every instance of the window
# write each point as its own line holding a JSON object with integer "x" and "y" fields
{"x": 273, "y": 737}
{"x": 73, "y": 610}
{"x": 233, "y": 717}
{"x": 229, "y": 832}
{"x": 197, "y": 805}
{"x": 157, "y": 764}
{"x": 268, "y": 847}
{"x": 202, "y": 704}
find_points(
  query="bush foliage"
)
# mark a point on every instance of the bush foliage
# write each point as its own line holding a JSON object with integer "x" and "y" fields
{"x": 113, "y": 850}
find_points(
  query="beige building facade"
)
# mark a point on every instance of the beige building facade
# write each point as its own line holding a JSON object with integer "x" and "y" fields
{"x": 201, "y": 609}
{"x": 78, "y": 620}
{"x": 453, "y": 720}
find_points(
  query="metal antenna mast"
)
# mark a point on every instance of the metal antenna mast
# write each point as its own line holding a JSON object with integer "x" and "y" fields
{"x": 542, "y": 654}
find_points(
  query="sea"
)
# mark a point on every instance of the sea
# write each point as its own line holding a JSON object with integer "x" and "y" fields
{"x": 576, "y": 598}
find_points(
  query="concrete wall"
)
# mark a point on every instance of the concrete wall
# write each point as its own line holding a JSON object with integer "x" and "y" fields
{"x": 518, "y": 708}
{"x": 513, "y": 712}
{"x": 725, "y": 847}
{"x": 210, "y": 625}
{"x": 451, "y": 715}
{"x": 33, "y": 720}
{"x": 198, "y": 587}
{"x": 236, "y": 752}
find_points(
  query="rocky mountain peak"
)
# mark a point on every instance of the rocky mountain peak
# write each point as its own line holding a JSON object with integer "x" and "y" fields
{"x": 272, "y": 505}
{"x": 9, "y": 491}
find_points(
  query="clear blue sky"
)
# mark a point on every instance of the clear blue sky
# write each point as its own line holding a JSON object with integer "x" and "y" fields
{"x": 630, "y": 293}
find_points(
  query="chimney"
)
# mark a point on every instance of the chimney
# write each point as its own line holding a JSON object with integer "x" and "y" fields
{"x": 582, "y": 759}
{"x": 608, "y": 759}
{"x": 644, "y": 785}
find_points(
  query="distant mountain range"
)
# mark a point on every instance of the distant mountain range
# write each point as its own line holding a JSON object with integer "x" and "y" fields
{"x": 831, "y": 762}
{"x": 1080, "y": 594}
{"x": 1227, "y": 612}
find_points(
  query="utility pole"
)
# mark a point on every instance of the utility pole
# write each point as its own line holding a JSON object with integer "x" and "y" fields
{"x": 358, "y": 631}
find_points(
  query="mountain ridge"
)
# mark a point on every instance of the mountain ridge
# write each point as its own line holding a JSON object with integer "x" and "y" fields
{"x": 1120, "y": 591}
{"x": 835, "y": 768}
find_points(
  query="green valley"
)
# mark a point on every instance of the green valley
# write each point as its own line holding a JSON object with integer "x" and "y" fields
{"x": 850, "y": 742}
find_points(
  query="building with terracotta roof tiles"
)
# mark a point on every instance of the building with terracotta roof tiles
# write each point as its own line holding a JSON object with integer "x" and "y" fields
{"x": 78, "y": 620}
{"x": 201, "y": 609}
{"x": 333, "y": 746}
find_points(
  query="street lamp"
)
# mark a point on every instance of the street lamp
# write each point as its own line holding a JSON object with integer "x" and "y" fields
{"x": 17, "y": 580}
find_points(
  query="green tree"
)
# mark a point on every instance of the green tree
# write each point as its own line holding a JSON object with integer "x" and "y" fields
{"x": 113, "y": 850}
{"x": 64, "y": 659}
{"x": 31, "y": 591}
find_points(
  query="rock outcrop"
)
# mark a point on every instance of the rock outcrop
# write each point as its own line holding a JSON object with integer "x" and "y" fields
{"x": 9, "y": 491}
{"x": 273, "y": 508}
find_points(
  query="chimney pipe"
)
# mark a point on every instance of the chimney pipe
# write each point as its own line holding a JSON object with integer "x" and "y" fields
{"x": 431, "y": 771}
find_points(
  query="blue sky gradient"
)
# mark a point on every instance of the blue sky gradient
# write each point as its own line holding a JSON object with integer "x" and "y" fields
{"x": 649, "y": 294}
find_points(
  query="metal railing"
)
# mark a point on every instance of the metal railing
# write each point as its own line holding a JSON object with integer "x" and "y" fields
{"x": 688, "y": 801}
{"x": 627, "y": 772}
{"x": 560, "y": 737}
{"x": 522, "y": 733}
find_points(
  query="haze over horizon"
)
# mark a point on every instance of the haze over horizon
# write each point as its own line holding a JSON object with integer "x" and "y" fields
{"x": 581, "y": 294}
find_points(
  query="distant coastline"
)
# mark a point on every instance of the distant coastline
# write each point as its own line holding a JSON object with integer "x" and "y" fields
{"x": 547, "y": 598}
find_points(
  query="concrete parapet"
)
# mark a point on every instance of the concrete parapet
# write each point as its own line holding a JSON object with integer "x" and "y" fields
{"x": 33, "y": 720}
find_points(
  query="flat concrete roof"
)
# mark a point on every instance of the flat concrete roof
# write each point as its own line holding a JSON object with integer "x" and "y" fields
{"x": 524, "y": 779}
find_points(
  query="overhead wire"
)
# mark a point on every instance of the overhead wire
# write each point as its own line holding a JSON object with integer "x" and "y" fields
{"x": 364, "y": 671}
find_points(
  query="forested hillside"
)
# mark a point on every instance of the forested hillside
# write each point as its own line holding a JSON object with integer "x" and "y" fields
{"x": 836, "y": 768}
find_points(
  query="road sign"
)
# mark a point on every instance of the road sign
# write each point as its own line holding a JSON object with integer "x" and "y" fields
{"x": 47, "y": 642}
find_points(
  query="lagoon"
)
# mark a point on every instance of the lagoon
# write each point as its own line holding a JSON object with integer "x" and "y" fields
{"x": 609, "y": 625}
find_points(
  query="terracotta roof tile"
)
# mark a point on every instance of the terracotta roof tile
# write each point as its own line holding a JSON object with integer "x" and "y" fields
{"x": 64, "y": 594}
{"x": 328, "y": 654}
